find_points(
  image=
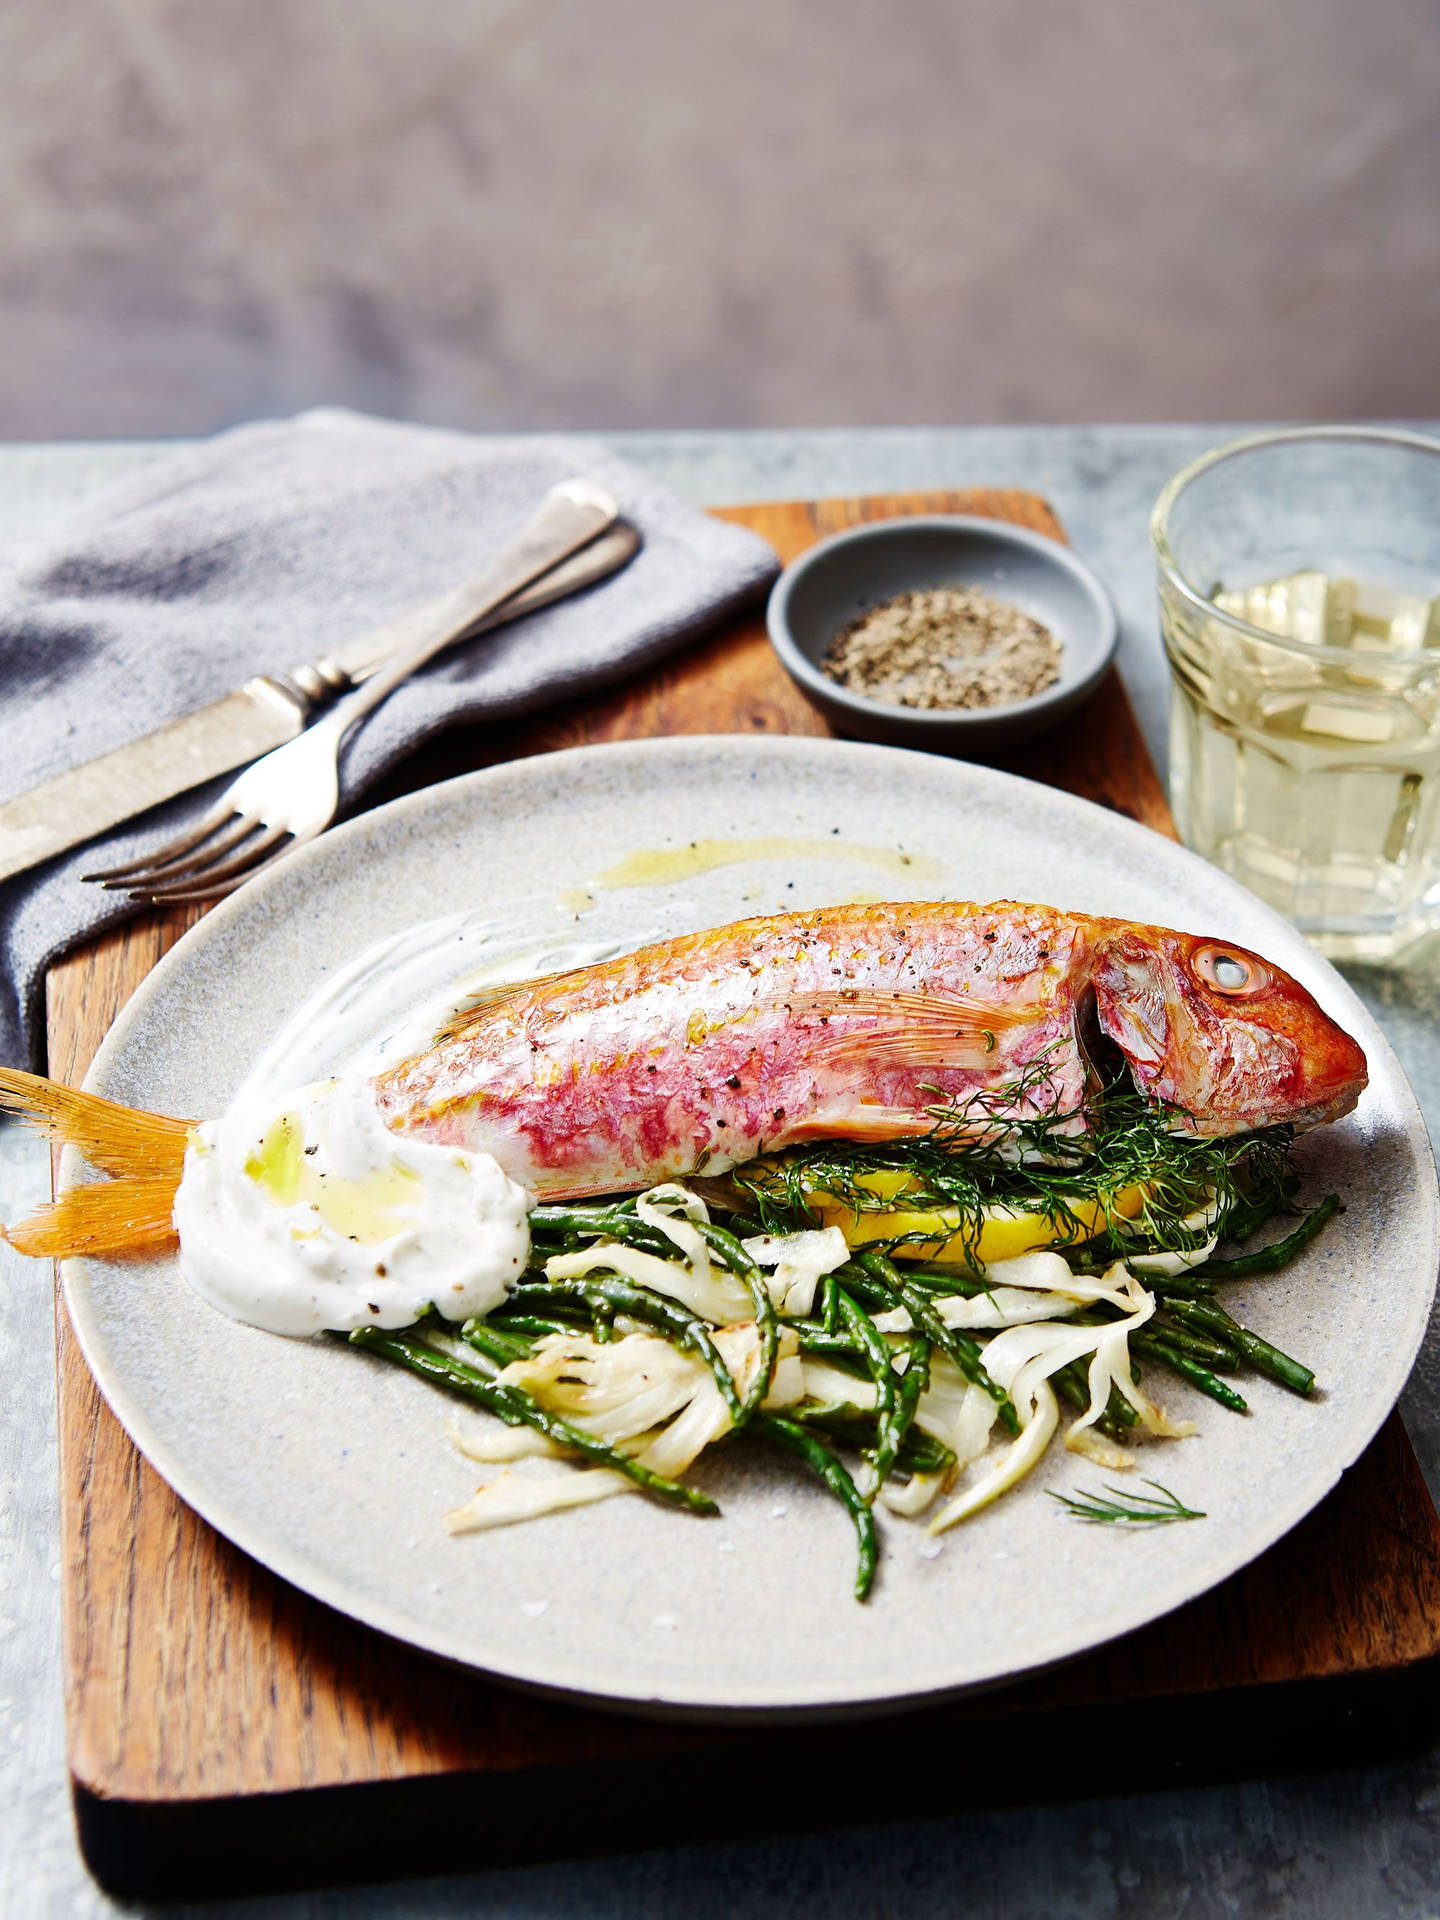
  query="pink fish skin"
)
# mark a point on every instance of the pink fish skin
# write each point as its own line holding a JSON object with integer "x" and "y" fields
{"x": 853, "y": 1023}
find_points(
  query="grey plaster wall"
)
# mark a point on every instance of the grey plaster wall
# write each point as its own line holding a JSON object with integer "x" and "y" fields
{"x": 735, "y": 212}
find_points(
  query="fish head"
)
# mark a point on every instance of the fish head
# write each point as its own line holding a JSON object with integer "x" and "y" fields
{"x": 1222, "y": 1033}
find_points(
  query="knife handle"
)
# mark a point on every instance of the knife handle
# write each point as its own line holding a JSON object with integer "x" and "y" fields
{"x": 304, "y": 687}
{"x": 310, "y": 686}
{"x": 568, "y": 518}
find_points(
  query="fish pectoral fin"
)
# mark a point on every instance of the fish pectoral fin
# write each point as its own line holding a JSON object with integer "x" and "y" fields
{"x": 910, "y": 1030}
{"x": 913, "y": 1009}
{"x": 907, "y": 1050}
{"x": 869, "y": 1126}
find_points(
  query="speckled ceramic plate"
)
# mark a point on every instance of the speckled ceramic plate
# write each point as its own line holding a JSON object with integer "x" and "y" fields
{"x": 334, "y": 1471}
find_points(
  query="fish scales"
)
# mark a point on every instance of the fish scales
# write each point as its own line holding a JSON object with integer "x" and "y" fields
{"x": 854, "y": 1023}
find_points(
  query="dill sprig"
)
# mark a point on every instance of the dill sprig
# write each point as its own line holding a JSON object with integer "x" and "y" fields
{"x": 1001, "y": 1147}
{"x": 1125, "y": 1504}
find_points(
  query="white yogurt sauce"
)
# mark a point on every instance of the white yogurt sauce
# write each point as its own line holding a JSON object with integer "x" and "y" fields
{"x": 300, "y": 1210}
{"x": 316, "y": 1215}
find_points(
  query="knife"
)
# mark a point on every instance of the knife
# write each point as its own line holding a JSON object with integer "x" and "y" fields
{"x": 240, "y": 726}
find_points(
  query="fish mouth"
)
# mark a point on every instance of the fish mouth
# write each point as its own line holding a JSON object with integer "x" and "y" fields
{"x": 1337, "y": 1086}
{"x": 1321, "y": 1115}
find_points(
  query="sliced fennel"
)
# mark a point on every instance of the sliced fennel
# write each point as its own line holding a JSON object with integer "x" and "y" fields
{"x": 621, "y": 1337}
{"x": 800, "y": 1262}
{"x": 694, "y": 1280}
{"x": 1022, "y": 1359}
{"x": 1171, "y": 1264}
{"x": 498, "y": 1446}
{"x": 643, "y": 1393}
{"x": 620, "y": 1391}
{"x": 502, "y": 1502}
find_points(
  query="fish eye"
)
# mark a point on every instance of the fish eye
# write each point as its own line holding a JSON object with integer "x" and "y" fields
{"x": 1228, "y": 972}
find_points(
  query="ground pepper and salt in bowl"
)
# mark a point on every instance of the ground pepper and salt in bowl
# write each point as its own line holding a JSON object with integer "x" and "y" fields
{"x": 944, "y": 647}
{"x": 944, "y": 631}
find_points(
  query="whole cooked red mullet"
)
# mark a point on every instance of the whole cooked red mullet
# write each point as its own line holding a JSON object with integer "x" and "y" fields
{"x": 857, "y": 1023}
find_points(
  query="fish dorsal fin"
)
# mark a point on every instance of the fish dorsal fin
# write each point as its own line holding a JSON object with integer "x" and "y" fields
{"x": 911, "y": 1029}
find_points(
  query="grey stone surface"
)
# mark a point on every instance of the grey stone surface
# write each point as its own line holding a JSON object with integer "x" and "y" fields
{"x": 500, "y": 213}
{"x": 1366, "y": 1842}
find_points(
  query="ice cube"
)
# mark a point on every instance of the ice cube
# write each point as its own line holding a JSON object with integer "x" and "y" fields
{"x": 1303, "y": 606}
{"x": 1395, "y": 622}
{"x": 1367, "y": 726}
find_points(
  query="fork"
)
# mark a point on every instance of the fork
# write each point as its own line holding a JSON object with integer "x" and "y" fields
{"x": 291, "y": 795}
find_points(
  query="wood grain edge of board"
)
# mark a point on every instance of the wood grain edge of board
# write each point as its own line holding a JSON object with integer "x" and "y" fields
{"x": 317, "y": 1675}
{"x": 791, "y": 526}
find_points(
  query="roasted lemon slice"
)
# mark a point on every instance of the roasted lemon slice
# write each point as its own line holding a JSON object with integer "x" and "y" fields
{"x": 1005, "y": 1231}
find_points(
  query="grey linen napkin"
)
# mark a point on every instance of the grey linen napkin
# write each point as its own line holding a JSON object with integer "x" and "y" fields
{"x": 262, "y": 549}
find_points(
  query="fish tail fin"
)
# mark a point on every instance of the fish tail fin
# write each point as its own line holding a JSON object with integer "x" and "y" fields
{"x": 112, "y": 1217}
{"x": 144, "y": 1151}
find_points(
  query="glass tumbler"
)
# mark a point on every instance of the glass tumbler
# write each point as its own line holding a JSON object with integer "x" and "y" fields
{"x": 1300, "y": 608}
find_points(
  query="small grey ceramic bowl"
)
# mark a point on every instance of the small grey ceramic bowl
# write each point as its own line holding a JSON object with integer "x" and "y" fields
{"x": 830, "y": 585}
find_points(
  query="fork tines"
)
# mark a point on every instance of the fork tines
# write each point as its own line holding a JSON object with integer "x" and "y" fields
{"x": 193, "y": 866}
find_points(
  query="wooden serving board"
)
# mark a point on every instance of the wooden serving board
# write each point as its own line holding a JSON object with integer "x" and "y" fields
{"x": 228, "y": 1733}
